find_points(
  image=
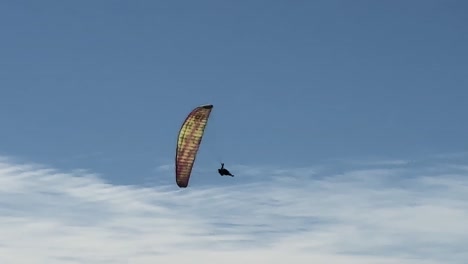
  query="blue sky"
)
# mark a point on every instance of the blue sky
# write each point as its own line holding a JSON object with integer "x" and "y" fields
{"x": 303, "y": 91}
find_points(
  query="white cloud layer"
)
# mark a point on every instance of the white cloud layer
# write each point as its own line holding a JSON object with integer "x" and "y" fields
{"x": 400, "y": 215}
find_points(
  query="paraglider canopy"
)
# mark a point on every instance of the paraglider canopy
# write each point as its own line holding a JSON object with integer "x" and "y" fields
{"x": 188, "y": 142}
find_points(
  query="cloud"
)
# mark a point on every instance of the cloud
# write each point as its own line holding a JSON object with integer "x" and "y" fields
{"x": 402, "y": 214}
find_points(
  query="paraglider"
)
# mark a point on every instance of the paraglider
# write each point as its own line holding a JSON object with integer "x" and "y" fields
{"x": 224, "y": 172}
{"x": 188, "y": 142}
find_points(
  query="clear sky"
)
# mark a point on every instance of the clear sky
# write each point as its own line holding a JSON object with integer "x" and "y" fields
{"x": 302, "y": 90}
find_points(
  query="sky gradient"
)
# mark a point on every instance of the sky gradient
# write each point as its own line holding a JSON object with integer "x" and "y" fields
{"x": 344, "y": 124}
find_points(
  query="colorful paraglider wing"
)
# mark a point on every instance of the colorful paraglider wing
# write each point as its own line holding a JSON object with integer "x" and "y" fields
{"x": 188, "y": 143}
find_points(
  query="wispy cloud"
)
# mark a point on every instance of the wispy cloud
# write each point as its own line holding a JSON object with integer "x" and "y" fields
{"x": 403, "y": 215}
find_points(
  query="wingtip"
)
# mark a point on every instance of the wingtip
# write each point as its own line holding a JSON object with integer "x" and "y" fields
{"x": 207, "y": 106}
